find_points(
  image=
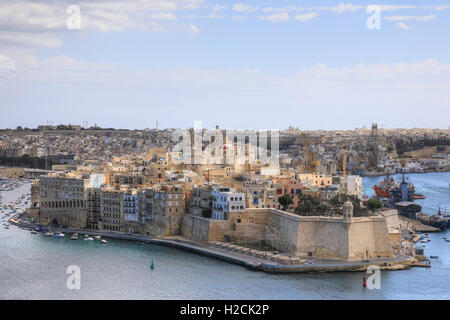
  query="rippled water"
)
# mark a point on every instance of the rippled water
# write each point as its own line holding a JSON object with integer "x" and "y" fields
{"x": 34, "y": 267}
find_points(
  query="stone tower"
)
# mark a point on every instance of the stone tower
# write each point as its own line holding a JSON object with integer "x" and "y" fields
{"x": 348, "y": 210}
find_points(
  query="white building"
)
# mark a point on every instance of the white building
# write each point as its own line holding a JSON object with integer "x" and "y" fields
{"x": 131, "y": 206}
{"x": 224, "y": 201}
{"x": 352, "y": 186}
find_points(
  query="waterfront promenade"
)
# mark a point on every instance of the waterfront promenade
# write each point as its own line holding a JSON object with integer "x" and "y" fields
{"x": 399, "y": 262}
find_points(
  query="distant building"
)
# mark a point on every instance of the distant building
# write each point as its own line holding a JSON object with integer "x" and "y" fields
{"x": 225, "y": 201}
{"x": 111, "y": 211}
{"x": 63, "y": 200}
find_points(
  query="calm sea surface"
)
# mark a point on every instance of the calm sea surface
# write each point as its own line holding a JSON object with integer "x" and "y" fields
{"x": 34, "y": 267}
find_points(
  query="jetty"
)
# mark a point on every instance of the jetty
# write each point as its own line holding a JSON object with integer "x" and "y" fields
{"x": 418, "y": 226}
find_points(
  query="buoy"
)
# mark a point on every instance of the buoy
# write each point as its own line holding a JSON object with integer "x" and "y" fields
{"x": 364, "y": 280}
{"x": 152, "y": 266}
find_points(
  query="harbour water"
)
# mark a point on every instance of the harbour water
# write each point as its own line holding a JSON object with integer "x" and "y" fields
{"x": 434, "y": 185}
{"x": 33, "y": 266}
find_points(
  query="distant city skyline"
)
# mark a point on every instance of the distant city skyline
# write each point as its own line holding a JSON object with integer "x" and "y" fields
{"x": 91, "y": 125}
{"x": 243, "y": 64}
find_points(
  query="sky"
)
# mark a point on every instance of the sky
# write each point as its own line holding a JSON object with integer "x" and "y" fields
{"x": 253, "y": 64}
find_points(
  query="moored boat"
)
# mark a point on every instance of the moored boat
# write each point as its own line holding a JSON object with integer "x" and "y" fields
{"x": 437, "y": 220}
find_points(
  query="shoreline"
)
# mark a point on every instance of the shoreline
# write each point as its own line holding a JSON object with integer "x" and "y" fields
{"x": 399, "y": 262}
{"x": 380, "y": 174}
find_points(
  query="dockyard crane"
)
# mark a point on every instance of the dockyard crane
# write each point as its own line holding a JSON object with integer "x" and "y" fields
{"x": 310, "y": 162}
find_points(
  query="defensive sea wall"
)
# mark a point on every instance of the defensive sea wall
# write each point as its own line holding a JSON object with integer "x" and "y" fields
{"x": 319, "y": 237}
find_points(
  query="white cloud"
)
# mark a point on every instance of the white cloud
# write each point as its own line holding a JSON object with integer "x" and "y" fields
{"x": 408, "y": 18}
{"x": 98, "y": 15}
{"x": 240, "y": 7}
{"x": 276, "y": 17}
{"x": 163, "y": 16}
{"x": 193, "y": 29}
{"x": 386, "y": 7}
{"x": 306, "y": 16}
{"x": 288, "y": 8}
{"x": 439, "y": 8}
{"x": 207, "y": 16}
{"x": 340, "y": 8}
{"x": 218, "y": 8}
{"x": 29, "y": 39}
{"x": 403, "y": 26}
{"x": 392, "y": 89}
{"x": 382, "y": 71}
{"x": 7, "y": 66}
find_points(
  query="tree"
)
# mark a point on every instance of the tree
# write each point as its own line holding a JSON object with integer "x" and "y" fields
{"x": 309, "y": 206}
{"x": 338, "y": 201}
{"x": 285, "y": 201}
{"x": 374, "y": 204}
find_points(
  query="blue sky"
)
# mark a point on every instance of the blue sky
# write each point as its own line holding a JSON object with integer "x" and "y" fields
{"x": 252, "y": 64}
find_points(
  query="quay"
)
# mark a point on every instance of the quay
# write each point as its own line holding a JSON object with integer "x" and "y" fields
{"x": 418, "y": 226}
{"x": 258, "y": 263}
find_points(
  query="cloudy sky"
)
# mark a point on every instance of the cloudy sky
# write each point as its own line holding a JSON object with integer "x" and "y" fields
{"x": 254, "y": 64}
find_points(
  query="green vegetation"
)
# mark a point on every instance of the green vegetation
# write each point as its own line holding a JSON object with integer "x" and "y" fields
{"x": 374, "y": 204}
{"x": 311, "y": 206}
{"x": 285, "y": 201}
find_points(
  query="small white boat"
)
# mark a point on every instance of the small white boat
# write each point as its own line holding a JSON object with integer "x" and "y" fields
{"x": 98, "y": 237}
{"x": 59, "y": 235}
{"x": 88, "y": 239}
{"x": 48, "y": 234}
{"x": 33, "y": 232}
{"x": 104, "y": 241}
